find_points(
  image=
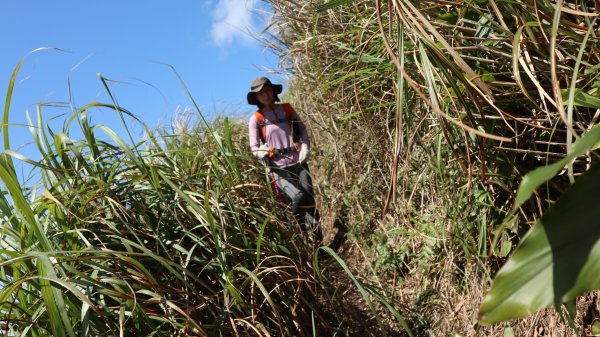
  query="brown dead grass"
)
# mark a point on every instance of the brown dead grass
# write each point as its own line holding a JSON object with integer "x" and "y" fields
{"x": 450, "y": 310}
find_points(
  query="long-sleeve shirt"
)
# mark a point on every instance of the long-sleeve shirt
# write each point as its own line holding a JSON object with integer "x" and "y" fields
{"x": 279, "y": 135}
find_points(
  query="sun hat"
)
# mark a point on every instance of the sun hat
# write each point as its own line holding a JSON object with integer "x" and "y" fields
{"x": 257, "y": 85}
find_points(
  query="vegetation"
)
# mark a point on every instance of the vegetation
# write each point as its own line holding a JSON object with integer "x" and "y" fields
{"x": 177, "y": 235}
{"x": 443, "y": 133}
{"x": 428, "y": 115}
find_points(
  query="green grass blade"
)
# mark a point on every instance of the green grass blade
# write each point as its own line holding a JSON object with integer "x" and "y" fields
{"x": 260, "y": 239}
{"x": 53, "y": 300}
{"x": 364, "y": 293}
{"x": 332, "y": 4}
{"x": 134, "y": 158}
{"x": 262, "y": 289}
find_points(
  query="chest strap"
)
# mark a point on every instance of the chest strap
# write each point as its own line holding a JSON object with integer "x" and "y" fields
{"x": 284, "y": 150}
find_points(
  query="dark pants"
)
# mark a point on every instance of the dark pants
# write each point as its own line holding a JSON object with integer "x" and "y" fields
{"x": 296, "y": 183}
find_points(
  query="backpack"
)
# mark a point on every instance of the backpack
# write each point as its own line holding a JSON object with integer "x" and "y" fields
{"x": 294, "y": 127}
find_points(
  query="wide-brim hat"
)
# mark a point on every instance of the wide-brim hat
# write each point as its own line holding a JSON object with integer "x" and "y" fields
{"x": 257, "y": 85}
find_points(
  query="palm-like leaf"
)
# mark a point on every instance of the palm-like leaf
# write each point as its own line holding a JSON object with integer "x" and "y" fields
{"x": 556, "y": 261}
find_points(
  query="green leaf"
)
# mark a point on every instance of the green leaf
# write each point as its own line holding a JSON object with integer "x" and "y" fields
{"x": 252, "y": 276}
{"x": 596, "y": 327}
{"x": 581, "y": 98}
{"x": 556, "y": 261}
{"x": 535, "y": 178}
{"x": 260, "y": 239}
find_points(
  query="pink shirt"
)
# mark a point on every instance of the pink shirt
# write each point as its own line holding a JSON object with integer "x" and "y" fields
{"x": 279, "y": 135}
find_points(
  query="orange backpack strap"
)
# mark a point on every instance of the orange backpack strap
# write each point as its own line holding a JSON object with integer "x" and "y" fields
{"x": 262, "y": 124}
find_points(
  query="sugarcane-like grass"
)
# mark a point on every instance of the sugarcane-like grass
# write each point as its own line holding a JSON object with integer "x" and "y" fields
{"x": 178, "y": 234}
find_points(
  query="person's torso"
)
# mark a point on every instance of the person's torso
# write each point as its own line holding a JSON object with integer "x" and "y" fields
{"x": 278, "y": 135}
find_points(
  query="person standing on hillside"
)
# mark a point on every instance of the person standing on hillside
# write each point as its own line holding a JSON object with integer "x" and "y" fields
{"x": 278, "y": 136}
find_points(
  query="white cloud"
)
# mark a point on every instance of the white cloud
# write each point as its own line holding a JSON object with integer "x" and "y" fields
{"x": 233, "y": 20}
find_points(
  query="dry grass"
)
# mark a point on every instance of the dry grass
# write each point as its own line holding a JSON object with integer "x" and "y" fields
{"x": 389, "y": 90}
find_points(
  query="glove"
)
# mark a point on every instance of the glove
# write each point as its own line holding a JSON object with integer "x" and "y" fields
{"x": 304, "y": 153}
{"x": 263, "y": 151}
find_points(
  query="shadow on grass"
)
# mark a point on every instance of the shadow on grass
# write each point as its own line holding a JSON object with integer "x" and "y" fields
{"x": 342, "y": 229}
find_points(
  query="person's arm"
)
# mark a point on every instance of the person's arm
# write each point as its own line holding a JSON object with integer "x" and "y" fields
{"x": 254, "y": 138}
{"x": 304, "y": 152}
{"x": 303, "y": 133}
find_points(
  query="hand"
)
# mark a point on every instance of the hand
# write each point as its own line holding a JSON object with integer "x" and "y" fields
{"x": 263, "y": 151}
{"x": 304, "y": 153}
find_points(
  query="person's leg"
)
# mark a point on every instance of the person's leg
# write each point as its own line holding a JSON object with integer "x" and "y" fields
{"x": 287, "y": 181}
{"x": 308, "y": 201}
{"x": 296, "y": 183}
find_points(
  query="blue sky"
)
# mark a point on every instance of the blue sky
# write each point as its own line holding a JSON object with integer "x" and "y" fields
{"x": 129, "y": 42}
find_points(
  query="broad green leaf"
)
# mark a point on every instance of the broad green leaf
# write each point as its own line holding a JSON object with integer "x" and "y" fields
{"x": 535, "y": 178}
{"x": 556, "y": 261}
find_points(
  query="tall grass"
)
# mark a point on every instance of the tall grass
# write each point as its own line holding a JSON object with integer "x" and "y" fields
{"x": 178, "y": 234}
{"x": 427, "y": 115}
{"x": 424, "y": 116}
{"x": 155, "y": 238}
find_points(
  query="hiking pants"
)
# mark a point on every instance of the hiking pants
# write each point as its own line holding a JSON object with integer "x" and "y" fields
{"x": 296, "y": 183}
